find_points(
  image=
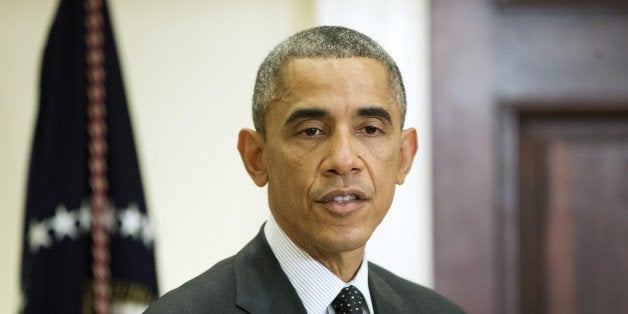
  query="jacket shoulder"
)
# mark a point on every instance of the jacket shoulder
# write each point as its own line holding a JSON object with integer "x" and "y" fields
{"x": 416, "y": 298}
{"x": 212, "y": 290}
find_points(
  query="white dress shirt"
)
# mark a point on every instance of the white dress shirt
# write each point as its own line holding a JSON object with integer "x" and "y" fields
{"x": 316, "y": 285}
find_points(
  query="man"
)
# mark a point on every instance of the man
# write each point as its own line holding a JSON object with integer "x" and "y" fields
{"x": 328, "y": 108}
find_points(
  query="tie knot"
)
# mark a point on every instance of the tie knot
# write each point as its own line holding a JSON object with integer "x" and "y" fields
{"x": 349, "y": 300}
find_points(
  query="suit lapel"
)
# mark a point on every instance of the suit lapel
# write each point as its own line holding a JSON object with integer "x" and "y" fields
{"x": 263, "y": 287}
{"x": 384, "y": 297}
{"x": 261, "y": 284}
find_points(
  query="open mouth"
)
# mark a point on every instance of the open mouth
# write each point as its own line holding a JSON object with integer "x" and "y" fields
{"x": 344, "y": 199}
{"x": 342, "y": 196}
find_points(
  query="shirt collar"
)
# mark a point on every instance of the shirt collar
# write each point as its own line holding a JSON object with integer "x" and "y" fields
{"x": 315, "y": 284}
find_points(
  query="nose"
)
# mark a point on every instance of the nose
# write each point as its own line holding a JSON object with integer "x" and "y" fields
{"x": 342, "y": 154}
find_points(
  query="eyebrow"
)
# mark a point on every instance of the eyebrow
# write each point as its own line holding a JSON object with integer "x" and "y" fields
{"x": 306, "y": 113}
{"x": 376, "y": 112}
{"x": 315, "y": 113}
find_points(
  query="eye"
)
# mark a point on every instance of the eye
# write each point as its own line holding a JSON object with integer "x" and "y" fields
{"x": 311, "y": 131}
{"x": 371, "y": 130}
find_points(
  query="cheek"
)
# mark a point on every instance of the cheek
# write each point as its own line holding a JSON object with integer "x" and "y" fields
{"x": 288, "y": 170}
{"x": 385, "y": 161}
{"x": 383, "y": 168}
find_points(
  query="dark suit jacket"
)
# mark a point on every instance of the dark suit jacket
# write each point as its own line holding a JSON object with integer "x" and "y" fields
{"x": 252, "y": 282}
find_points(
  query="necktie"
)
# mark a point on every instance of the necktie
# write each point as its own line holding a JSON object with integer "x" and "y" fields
{"x": 350, "y": 301}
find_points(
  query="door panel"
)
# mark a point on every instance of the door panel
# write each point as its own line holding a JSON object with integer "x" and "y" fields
{"x": 529, "y": 185}
{"x": 573, "y": 213}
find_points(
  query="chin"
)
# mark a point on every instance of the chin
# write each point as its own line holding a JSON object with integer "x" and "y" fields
{"x": 348, "y": 242}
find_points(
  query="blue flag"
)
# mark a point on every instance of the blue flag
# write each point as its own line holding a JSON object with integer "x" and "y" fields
{"x": 56, "y": 256}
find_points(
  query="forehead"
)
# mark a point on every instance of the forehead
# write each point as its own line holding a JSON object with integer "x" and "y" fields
{"x": 334, "y": 83}
{"x": 322, "y": 72}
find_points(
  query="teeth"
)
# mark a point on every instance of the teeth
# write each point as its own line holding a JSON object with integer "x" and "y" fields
{"x": 342, "y": 199}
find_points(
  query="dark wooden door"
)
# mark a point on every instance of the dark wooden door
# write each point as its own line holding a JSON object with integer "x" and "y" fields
{"x": 573, "y": 211}
{"x": 530, "y": 105}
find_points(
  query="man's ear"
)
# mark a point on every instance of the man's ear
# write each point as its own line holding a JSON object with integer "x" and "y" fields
{"x": 250, "y": 146}
{"x": 409, "y": 146}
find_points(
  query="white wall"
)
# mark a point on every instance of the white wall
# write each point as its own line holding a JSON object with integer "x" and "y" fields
{"x": 189, "y": 69}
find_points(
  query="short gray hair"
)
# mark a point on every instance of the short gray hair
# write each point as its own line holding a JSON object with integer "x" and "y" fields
{"x": 319, "y": 42}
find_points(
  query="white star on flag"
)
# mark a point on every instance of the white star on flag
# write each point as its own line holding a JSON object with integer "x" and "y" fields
{"x": 130, "y": 221}
{"x": 38, "y": 236}
{"x": 64, "y": 223}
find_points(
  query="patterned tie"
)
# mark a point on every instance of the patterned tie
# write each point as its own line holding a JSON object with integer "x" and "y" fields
{"x": 349, "y": 301}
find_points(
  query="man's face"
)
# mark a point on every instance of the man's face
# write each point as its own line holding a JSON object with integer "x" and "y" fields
{"x": 334, "y": 152}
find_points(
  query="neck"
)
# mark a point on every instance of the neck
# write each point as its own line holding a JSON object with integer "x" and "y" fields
{"x": 344, "y": 265}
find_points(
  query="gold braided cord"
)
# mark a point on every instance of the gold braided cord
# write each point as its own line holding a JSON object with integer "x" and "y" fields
{"x": 97, "y": 162}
